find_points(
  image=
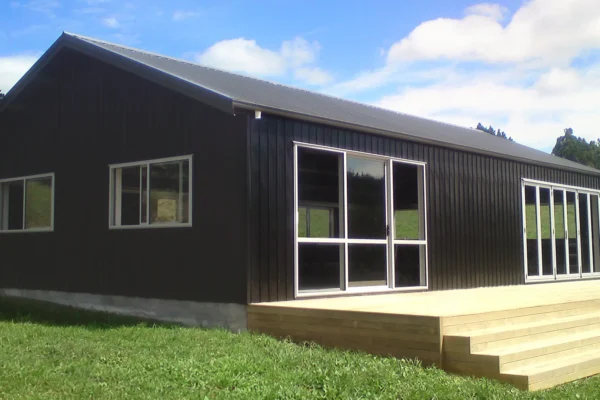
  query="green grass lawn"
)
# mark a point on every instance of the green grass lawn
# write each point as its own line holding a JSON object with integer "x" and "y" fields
{"x": 52, "y": 352}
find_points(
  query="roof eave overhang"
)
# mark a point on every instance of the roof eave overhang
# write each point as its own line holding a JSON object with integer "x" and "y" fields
{"x": 398, "y": 135}
{"x": 185, "y": 87}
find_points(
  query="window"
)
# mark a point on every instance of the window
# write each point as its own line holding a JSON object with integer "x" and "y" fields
{"x": 561, "y": 231}
{"x": 27, "y": 203}
{"x": 151, "y": 193}
{"x": 360, "y": 222}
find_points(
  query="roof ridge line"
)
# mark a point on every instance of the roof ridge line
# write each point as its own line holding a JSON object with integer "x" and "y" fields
{"x": 158, "y": 55}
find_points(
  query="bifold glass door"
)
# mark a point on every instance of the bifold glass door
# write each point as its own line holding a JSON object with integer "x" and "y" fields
{"x": 360, "y": 221}
{"x": 561, "y": 231}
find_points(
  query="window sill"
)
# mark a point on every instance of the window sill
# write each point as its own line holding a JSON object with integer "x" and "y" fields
{"x": 362, "y": 291}
{"x": 151, "y": 226}
{"x": 564, "y": 278}
{"x": 34, "y": 230}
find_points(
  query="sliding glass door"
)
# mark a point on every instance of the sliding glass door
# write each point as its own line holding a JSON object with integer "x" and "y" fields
{"x": 360, "y": 222}
{"x": 561, "y": 231}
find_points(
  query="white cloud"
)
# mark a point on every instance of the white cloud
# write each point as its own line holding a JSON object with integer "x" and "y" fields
{"x": 525, "y": 77}
{"x": 299, "y": 51}
{"x": 532, "y": 114}
{"x": 181, "y": 15}
{"x": 494, "y": 11}
{"x": 243, "y": 55}
{"x": 12, "y": 69}
{"x": 297, "y": 56}
{"x": 313, "y": 76}
{"x": 545, "y": 32}
{"x": 111, "y": 22}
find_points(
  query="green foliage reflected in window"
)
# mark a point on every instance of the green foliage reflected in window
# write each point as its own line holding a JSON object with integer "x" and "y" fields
{"x": 38, "y": 204}
{"x": 315, "y": 222}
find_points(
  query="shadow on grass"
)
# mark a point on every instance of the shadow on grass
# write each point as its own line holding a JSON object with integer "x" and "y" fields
{"x": 40, "y": 312}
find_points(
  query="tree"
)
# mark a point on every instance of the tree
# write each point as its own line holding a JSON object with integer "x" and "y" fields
{"x": 1, "y": 95}
{"x": 494, "y": 132}
{"x": 577, "y": 149}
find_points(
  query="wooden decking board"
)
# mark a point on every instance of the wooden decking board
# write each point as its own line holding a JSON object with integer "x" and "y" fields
{"x": 532, "y": 328}
{"x": 498, "y": 344}
{"x": 551, "y": 356}
{"x": 419, "y": 326}
{"x": 471, "y": 321}
{"x": 532, "y": 336}
{"x": 425, "y": 342}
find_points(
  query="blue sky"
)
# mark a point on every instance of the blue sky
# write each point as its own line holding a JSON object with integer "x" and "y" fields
{"x": 529, "y": 67}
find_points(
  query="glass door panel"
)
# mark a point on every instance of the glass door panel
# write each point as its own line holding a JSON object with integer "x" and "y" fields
{"x": 352, "y": 228}
{"x": 409, "y": 265}
{"x": 546, "y": 232}
{"x": 320, "y": 266}
{"x": 572, "y": 232}
{"x": 561, "y": 244}
{"x": 367, "y": 265}
{"x": 594, "y": 204}
{"x": 407, "y": 199}
{"x": 584, "y": 232}
{"x": 366, "y": 198}
{"x": 531, "y": 231}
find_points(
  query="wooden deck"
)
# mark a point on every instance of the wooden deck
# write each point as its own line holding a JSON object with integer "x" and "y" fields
{"x": 533, "y": 336}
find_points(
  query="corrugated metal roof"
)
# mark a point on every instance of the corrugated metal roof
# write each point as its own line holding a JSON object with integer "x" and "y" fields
{"x": 260, "y": 94}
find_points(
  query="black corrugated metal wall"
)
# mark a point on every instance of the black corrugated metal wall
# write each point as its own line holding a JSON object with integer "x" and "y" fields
{"x": 474, "y": 218}
{"x": 76, "y": 118}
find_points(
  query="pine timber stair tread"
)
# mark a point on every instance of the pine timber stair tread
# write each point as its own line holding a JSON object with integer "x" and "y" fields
{"x": 537, "y": 352}
{"x": 530, "y": 349}
{"x": 532, "y": 329}
{"x": 561, "y": 370}
{"x": 509, "y": 318}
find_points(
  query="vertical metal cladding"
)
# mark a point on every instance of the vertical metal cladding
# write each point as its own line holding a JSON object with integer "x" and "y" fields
{"x": 473, "y": 206}
{"x": 81, "y": 116}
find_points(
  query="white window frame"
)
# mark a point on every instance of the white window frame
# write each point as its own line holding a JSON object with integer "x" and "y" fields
{"x": 24, "y": 179}
{"x": 344, "y": 241}
{"x": 579, "y": 191}
{"x": 114, "y": 201}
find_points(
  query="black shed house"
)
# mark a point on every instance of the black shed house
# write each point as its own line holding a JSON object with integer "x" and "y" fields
{"x": 146, "y": 184}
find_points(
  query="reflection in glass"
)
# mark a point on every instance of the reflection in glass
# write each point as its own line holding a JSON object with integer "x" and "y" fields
{"x": 585, "y": 233}
{"x": 531, "y": 230}
{"x": 320, "y": 266}
{"x": 595, "y": 237}
{"x": 11, "y": 205}
{"x": 546, "y": 231}
{"x": 366, "y": 198}
{"x": 169, "y": 192}
{"x": 572, "y": 233}
{"x": 408, "y": 271}
{"x": 559, "y": 232}
{"x": 38, "y": 203}
{"x": 144, "y": 204}
{"x": 319, "y": 198}
{"x": 130, "y": 195}
{"x": 367, "y": 265}
{"x": 406, "y": 202}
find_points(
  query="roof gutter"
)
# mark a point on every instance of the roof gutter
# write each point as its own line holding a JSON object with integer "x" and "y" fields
{"x": 398, "y": 135}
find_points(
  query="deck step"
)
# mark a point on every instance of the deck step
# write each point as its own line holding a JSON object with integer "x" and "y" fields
{"x": 533, "y": 351}
{"x": 544, "y": 350}
{"x": 518, "y": 334}
{"x": 559, "y": 370}
{"x": 490, "y": 320}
